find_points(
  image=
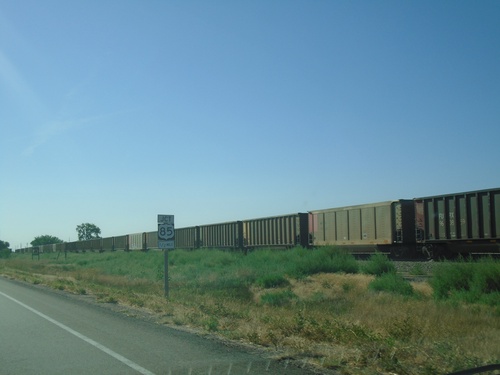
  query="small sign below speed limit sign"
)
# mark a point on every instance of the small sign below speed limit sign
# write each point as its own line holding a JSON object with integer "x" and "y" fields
{"x": 166, "y": 232}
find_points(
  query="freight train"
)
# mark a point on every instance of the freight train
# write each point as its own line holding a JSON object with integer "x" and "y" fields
{"x": 446, "y": 225}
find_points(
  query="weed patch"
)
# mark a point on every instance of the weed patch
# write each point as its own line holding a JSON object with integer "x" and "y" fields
{"x": 378, "y": 264}
{"x": 281, "y": 298}
{"x": 393, "y": 283}
{"x": 272, "y": 281}
{"x": 328, "y": 260}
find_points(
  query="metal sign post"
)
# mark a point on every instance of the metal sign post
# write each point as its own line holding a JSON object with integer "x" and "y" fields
{"x": 166, "y": 241}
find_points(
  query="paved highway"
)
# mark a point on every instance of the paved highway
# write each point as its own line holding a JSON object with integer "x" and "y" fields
{"x": 43, "y": 332}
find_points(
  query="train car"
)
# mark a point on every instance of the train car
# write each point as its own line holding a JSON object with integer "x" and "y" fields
{"x": 444, "y": 225}
{"x": 187, "y": 238}
{"x": 121, "y": 243}
{"x": 71, "y": 246}
{"x": 387, "y": 227}
{"x": 83, "y": 245}
{"x": 152, "y": 240}
{"x": 107, "y": 244}
{"x": 96, "y": 244}
{"x": 221, "y": 236}
{"x": 47, "y": 248}
{"x": 278, "y": 231}
{"x": 461, "y": 223}
{"x": 137, "y": 241}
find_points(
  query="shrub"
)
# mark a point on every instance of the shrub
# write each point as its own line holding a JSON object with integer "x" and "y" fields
{"x": 272, "y": 281}
{"x": 486, "y": 278}
{"x": 342, "y": 261}
{"x": 379, "y": 264}
{"x": 393, "y": 283}
{"x": 469, "y": 281}
{"x": 329, "y": 260}
{"x": 5, "y": 253}
{"x": 450, "y": 277}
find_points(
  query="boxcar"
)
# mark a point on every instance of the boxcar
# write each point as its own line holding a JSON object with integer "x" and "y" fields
{"x": 277, "y": 231}
{"x": 459, "y": 223}
{"x": 385, "y": 227}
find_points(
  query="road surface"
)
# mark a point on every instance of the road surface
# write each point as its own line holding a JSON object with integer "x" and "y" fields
{"x": 44, "y": 332}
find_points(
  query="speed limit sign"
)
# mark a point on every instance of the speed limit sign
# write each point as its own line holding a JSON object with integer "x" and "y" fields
{"x": 166, "y": 231}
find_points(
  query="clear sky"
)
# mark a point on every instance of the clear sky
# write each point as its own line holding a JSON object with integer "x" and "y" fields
{"x": 112, "y": 112}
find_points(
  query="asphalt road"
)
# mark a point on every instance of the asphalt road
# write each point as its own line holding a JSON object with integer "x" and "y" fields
{"x": 46, "y": 332}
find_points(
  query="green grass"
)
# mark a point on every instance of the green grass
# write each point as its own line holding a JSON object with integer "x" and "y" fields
{"x": 272, "y": 281}
{"x": 281, "y": 298}
{"x": 313, "y": 303}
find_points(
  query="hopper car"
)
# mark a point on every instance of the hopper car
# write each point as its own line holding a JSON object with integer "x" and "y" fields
{"x": 445, "y": 225}
{"x": 463, "y": 223}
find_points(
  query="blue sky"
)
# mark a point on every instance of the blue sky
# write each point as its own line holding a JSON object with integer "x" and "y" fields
{"x": 112, "y": 112}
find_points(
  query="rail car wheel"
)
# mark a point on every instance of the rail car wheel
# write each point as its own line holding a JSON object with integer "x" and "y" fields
{"x": 427, "y": 251}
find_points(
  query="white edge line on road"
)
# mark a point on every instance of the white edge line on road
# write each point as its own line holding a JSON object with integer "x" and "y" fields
{"x": 106, "y": 350}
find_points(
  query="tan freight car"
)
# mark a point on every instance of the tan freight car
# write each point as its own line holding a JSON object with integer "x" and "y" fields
{"x": 385, "y": 227}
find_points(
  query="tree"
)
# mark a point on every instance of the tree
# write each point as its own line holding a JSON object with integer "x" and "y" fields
{"x": 45, "y": 240}
{"x": 87, "y": 231}
{"x": 4, "y": 249}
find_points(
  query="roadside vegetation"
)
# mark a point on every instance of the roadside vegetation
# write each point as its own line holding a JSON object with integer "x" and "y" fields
{"x": 320, "y": 307}
{"x": 5, "y": 251}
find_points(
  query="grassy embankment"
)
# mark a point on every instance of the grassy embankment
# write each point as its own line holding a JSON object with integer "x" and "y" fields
{"x": 319, "y": 306}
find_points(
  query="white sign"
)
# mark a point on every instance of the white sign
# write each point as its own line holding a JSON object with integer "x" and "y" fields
{"x": 166, "y": 232}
